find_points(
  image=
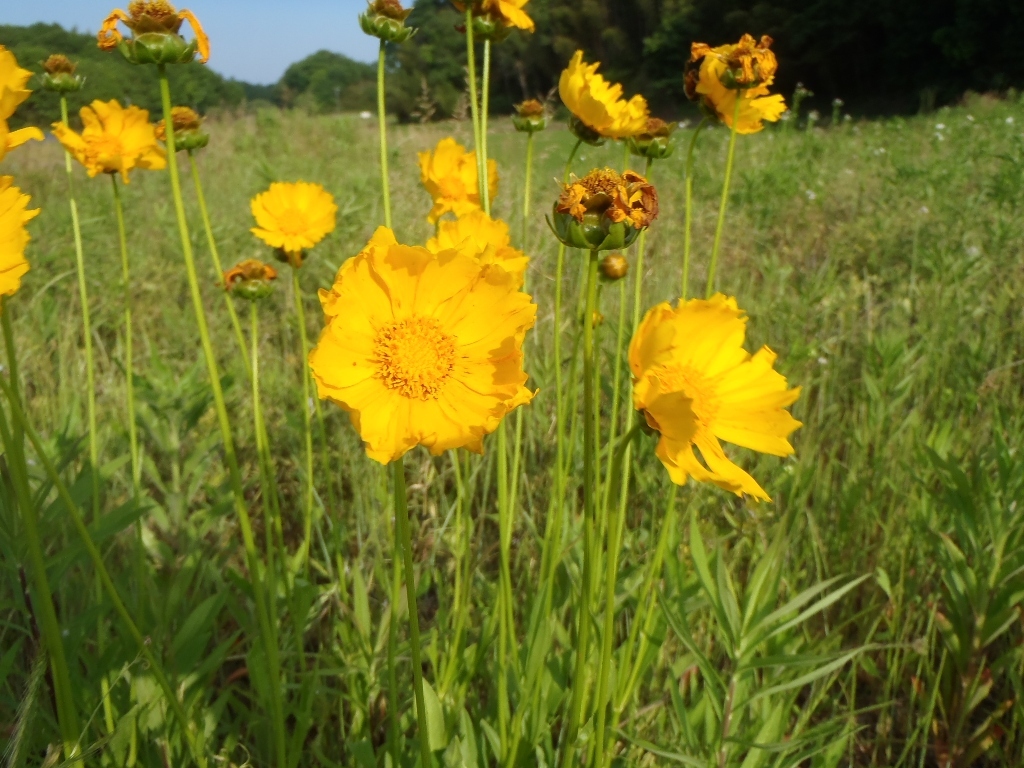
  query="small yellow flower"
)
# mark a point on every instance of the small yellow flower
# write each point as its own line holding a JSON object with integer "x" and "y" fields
{"x": 697, "y": 385}
{"x": 599, "y": 104}
{"x": 422, "y": 348}
{"x": 114, "y": 139}
{"x": 449, "y": 174}
{"x": 485, "y": 239}
{"x": 156, "y": 34}
{"x": 729, "y": 72}
{"x": 507, "y": 13}
{"x": 251, "y": 279}
{"x": 293, "y": 217}
{"x": 14, "y": 214}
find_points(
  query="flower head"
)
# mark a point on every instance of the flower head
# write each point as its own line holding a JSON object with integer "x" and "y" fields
{"x": 422, "y": 348}
{"x": 494, "y": 19}
{"x": 386, "y": 19}
{"x": 697, "y": 385}
{"x": 13, "y": 92}
{"x": 530, "y": 116}
{"x": 188, "y": 132}
{"x": 482, "y": 238}
{"x": 59, "y": 74}
{"x": 114, "y": 139}
{"x": 156, "y": 34}
{"x": 449, "y": 174}
{"x": 718, "y": 77}
{"x": 293, "y": 217}
{"x": 14, "y": 214}
{"x": 655, "y": 142}
{"x": 251, "y": 279}
{"x": 604, "y": 210}
{"x": 597, "y": 104}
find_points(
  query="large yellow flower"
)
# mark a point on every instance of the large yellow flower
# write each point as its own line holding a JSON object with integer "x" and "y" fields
{"x": 13, "y": 92}
{"x": 114, "y": 139}
{"x": 742, "y": 71}
{"x": 449, "y": 174}
{"x": 422, "y": 348}
{"x": 293, "y": 217}
{"x": 697, "y": 385}
{"x": 14, "y": 214}
{"x": 598, "y": 104}
{"x": 485, "y": 239}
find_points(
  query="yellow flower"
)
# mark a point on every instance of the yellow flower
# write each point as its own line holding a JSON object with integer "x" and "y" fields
{"x": 697, "y": 385}
{"x": 293, "y": 217}
{"x": 12, "y": 93}
{"x": 485, "y": 239}
{"x": 422, "y": 348}
{"x": 598, "y": 104}
{"x": 10, "y": 139}
{"x": 251, "y": 279}
{"x": 14, "y": 214}
{"x": 730, "y": 72}
{"x": 156, "y": 34}
{"x": 449, "y": 174}
{"x": 604, "y": 210}
{"x": 114, "y": 139}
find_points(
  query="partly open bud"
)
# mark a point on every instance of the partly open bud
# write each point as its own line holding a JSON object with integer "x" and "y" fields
{"x": 59, "y": 74}
{"x": 188, "y": 132}
{"x": 250, "y": 279}
{"x": 655, "y": 143}
{"x": 530, "y": 117}
{"x": 156, "y": 34}
{"x": 604, "y": 211}
{"x": 748, "y": 64}
{"x": 614, "y": 267}
{"x": 584, "y": 132}
{"x": 488, "y": 22}
{"x": 385, "y": 19}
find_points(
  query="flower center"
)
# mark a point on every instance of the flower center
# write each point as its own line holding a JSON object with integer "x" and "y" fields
{"x": 415, "y": 357}
{"x": 703, "y": 391}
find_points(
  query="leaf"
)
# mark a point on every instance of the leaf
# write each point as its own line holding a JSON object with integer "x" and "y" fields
{"x": 663, "y": 753}
{"x": 360, "y": 604}
{"x": 803, "y": 680}
{"x": 435, "y": 719}
{"x": 201, "y": 618}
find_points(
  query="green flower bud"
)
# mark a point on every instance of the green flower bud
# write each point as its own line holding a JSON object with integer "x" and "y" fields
{"x": 584, "y": 132}
{"x": 604, "y": 211}
{"x": 385, "y": 19}
{"x": 158, "y": 48}
{"x": 530, "y": 117}
{"x": 655, "y": 143}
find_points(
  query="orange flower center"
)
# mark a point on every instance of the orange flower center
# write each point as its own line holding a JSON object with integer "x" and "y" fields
{"x": 701, "y": 390}
{"x": 156, "y": 9}
{"x": 415, "y": 357}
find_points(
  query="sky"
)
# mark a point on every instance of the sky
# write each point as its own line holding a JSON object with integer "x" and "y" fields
{"x": 252, "y": 40}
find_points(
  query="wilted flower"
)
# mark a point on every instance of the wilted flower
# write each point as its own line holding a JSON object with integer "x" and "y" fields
{"x": 696, "y": 385}
{"x": 188, "y": 132}
{"x": 250, "y": 279}
{"x": 156, "y": 38}
{"x": 604, "y": 210}
{"x": 597, "y": 106}
{"x": 293, "y": 217}
{"x": 485, "y": 239}
{"x": 530, "y": 116}
{"x": 422, "y": 348}
{"x": 449, "y": 174}
{"x": 59, "y": 74}
{"x": 114, "y": 139}
{"x": 386, "y": 19}
{"x": 13, "y": 92}
{"x": 655, "y": 143}
{"x": 14, "y": 215}
{"x": 717, "y": 77}
{"x": 614, "y": 266}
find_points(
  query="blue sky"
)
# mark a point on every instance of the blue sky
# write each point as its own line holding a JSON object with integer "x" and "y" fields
{"x": 252, "y": 40}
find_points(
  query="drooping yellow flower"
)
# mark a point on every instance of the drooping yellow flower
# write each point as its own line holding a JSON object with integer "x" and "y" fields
{"x": 598, "y": 104}
{"x": 13, "y": 92}
{"x": 485, "y": 239}
{"x": 449, "y": 174}
{"x": 422, "y": 348}
{"x": 697, "y": 385}
{"x": 114, "y": 139}
{"x": 14, "y": 214}
{"x": 156, "y": 34}
{"x": 293, "y": 217}
{"x": 742, "y": 71}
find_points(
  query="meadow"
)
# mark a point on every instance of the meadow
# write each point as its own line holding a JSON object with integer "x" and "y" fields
{"x": 870, "y": 615}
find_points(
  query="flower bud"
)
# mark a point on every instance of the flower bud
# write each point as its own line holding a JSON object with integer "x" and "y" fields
{"x": 584, "y": 132}
{"x": 188, "y": 133}
{"x": 604, "y": 211}
{"x": 530, "y": 117}
{"x": 59, "y": 74}
{"x": 155, "y": 34}
{"x": 614, "y": 266}
{"x": 250, "y": 279}
{"x": 596, "y": 319}
{"x": 655, "y": 143}
{"x": 385, "y": 19}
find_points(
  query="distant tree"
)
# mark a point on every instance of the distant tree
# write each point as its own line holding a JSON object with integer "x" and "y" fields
{"x": 332, "y": 81}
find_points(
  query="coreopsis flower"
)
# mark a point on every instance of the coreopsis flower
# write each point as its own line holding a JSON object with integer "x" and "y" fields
{"x": 598, "y": 108}
{"x": 59, "y": 74}
{"x": 718, "y": 77}
{"x": 14, "y": 215}
{"x": 655, "y": 143}
{"x": 696, "y": 386}
{"x": 13, "y": 92}
{"x": 485, "y": 239}
{"x": 385, "y": 19}
{"x": 449, "y": 174}
{"x": 156, "y": 34}
{"x": 604, "y": 210}
{"x": 494, "y": 19}
{"x": 422, "y": 348}
{"x": 188, "y": 129}
{"x": 293, "y": 217}
{"x": 250, "y": 279}
{"x": 530, "y": 116}
{"x": 114, "y": 139}
{"x": 10, "y": 139}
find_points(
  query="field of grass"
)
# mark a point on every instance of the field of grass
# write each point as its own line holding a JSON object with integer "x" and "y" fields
{"x": 869, "y": 616}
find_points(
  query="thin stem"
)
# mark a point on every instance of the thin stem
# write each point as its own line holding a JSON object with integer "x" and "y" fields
{"x": 504, "y": 587}
{"x": 688, "y": 208}
{"x": 133, "y": 432}
{"x": 485, "y": 107}
{"x": 719, "y": 228}
{"x": 620, "y": 341}
{"x": 382, "y": 117}
{"x": 590, "y": 492}
{"x": 211, "y": 243}
{"x": 474, "y": 105}
{"x": 307, "y": 496}
{"x": 404, "y": 541}
{"x": 394, "y": 715}
{"x": 267, "y": 633}
{"x": 527, "y": 186}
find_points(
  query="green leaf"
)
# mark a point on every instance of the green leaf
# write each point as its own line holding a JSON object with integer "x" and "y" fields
{"x": 360, "y": 604}
{"x": 803, "y": 680}
{"x": 654, "y": 749}
{"x": 201, "y": 618}
{"x": 435, "y": 719}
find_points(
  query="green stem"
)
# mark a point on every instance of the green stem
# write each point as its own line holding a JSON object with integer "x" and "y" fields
{"x": 720, "y": 226}
{"x": 504, "y": 587}
{"x": 394, "y": 714}
{"x": 527, "y": 186}
{"x": 45, "y": 612}
{"x": 688, "y": 208}
{"x": 404, "y": 541}
{"x": 474, "y": 104}
{"x": 485, "y": 108}
{"x": 382, "y": 117}
{"x": 133, "y": 432}
{"x": 267, "y": 633}
{"x": 307, "y": 496}
{"x": 211, "y": 243}
{"x": 583, "y": 612}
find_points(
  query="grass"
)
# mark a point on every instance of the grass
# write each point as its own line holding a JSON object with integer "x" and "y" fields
{"x": 869, "y": 616}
